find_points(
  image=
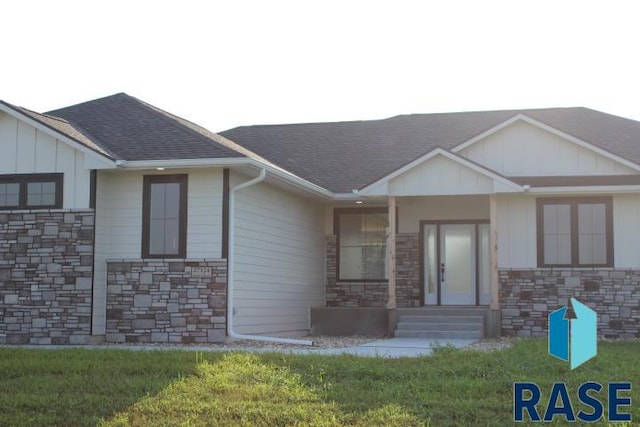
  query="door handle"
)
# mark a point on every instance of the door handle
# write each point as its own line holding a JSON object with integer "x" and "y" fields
{"x": 442, "y": 270}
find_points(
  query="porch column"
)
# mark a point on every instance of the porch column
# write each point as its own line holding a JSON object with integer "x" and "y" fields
{"x": 493, "y": 242}
{"x": 391, "y": 247}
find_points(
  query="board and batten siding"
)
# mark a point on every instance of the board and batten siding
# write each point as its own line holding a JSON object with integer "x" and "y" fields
{"x": 517, "y": 232}
{"x": 440, "y": 176}
{"x": 279, "y": 260}
{"x": 522, "y": 149}
{"x": 25, "y": 149}
{"x": 626, "y": 231}
{"x": 119, "y": 222}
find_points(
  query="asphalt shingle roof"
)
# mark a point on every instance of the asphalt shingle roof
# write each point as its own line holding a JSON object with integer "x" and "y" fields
{"x": 134, "y": 130}
{"x": 62, "y": 126}
{"x": 346, "y": 155}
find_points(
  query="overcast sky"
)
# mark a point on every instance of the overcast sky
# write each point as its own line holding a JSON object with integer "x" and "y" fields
{"x": 229, "y": 63}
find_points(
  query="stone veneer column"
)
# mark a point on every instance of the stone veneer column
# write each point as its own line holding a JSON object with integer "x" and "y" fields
{"x": 408, "y": 269}
{"x": 166, "y": 301}
{"x": 46, "y": 276}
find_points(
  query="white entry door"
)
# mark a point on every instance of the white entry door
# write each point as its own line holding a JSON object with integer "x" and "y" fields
{"x": 458, "y": 264}
{"x": 451, "y": 252}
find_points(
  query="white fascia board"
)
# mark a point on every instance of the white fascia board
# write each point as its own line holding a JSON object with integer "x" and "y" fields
{"x": 552, "y": 130}
{"x": 379, "y": 187}
{"x": 585, "y": 190}
{"x": 180, "y": 163}
{"x": 227, "y": 162}
{"x": 101, "y": 159}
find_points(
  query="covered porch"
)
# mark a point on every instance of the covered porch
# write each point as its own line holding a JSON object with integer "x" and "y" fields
{"x": 434, "y": 228}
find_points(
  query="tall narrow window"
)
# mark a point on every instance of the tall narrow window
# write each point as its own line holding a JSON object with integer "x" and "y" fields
{"x": 362, "y": 243}
{"x": 575, "y": 232}
{"x": 165, "y": 216}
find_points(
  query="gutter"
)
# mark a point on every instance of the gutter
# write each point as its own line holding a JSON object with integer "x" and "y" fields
{"x": 231, "y": 272}
{"x": 228, "y": 162}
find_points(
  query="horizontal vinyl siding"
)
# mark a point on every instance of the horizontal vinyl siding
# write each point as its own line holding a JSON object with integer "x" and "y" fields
{"x": 123, "y": 217}
{"x": 119, "y": 222}
{"x": 24, "y": 149}
{"x": 279, "y": 259}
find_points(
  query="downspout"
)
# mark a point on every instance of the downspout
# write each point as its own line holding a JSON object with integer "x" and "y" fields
{"x": 231, "y": 268}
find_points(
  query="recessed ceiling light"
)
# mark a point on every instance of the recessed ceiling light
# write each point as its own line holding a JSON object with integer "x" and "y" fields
{"x": 359, "y": 202}
{"x": 159, "y": 169}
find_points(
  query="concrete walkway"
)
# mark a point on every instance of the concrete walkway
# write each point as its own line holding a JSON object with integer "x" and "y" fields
{"x": 391, "y": 348}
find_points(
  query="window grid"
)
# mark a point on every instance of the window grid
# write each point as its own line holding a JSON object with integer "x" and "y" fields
{"x": 31, "y": 191}
{"x": 575, "y": 232}
{"x": 164, "y": 205}
{"x": 361, "y": 244}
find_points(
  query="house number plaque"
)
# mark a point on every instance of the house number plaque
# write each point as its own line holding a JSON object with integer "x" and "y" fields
{"x": 201, "y": 272}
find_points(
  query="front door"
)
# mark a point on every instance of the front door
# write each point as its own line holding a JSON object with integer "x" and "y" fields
{"x": 454, "y": 261}
{"x": 457, "y": 264}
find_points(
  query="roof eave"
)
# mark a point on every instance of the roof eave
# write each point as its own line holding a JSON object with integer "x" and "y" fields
{"x": 282, "y": 174}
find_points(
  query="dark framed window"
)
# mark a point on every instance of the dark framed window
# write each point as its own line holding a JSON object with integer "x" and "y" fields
{"x": 31, "y": 191}
{"x": 164, "y": 212}
{"x": 361, "y": 243}
{"x": 575, "y": 232}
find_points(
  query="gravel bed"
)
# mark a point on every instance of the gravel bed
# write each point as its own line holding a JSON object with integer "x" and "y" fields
{"x": 492, "y": 344}
{"x": 319, "y": 342}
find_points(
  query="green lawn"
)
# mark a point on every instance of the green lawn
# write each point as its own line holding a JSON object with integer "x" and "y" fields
{"x": 453, "y": 387}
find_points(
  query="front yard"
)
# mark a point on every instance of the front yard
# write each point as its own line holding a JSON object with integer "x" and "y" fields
{"x": 452, "y": 387}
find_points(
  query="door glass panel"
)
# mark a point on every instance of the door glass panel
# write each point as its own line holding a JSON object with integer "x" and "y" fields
{"x": 458, "y": 263}
{"x": 484, "y": 258}
{"x": 430, "y": 261}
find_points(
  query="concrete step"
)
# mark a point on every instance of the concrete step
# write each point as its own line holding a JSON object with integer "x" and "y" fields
{"x": 431, "y": 318}
{"x": 400, "y": 333}
{"x": 441, "y": 326}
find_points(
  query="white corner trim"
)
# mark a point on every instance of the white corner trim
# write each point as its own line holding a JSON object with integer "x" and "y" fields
{"x": 109, "y": 163}
{"x": 552, "y": 130}
{"x": 372, "y": 189}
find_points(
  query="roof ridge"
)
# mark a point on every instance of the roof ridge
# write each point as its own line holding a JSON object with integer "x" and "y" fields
{"x": 89, "y": 102}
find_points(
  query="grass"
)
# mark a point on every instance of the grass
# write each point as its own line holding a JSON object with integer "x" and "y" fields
{"x": 453, "y": 387}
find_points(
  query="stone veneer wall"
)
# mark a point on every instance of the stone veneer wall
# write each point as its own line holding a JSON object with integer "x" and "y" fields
{"x": 375, "y": 294}
{"x": 527, "y": 297}
{"x": 46, "y": 276}
{"x": 408, "y": 270}
{"x": 166, "y": 301}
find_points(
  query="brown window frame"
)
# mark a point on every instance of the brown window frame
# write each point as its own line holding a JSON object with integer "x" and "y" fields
{"x": 574, "y": 202}
{"x": 336, "y": 230}
{"x": 24, "y": 180}
{"x": 148, "y": 180}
